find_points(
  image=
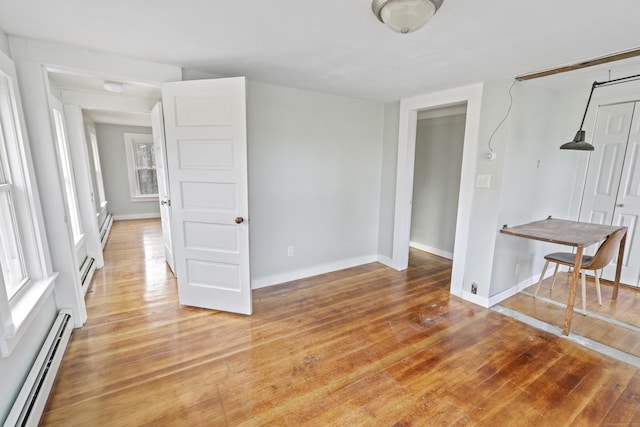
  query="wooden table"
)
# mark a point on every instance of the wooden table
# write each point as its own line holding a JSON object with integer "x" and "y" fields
{"x": 571, "y": 233}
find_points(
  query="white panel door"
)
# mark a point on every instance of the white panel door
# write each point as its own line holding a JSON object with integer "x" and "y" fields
{"x": 605, "y": 165}
{"x": 205, "y": 123}
{"x": 164, "y": 197}
{"x": 611, "y": 175}
{"x": 627, "y": 207}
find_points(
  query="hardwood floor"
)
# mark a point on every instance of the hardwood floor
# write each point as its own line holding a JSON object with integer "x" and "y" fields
{"x": 363, "y": 346}
{"x": 614, "y": 323}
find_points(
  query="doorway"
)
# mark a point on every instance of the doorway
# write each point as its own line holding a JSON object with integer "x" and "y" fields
{"x": 409, "y": 108}
{"x": 436, "y": 182}
{"x": 81, "y": 104}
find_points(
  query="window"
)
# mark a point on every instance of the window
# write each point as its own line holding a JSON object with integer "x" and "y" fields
{"x": 97, "y": 169}
{"x": 67, "y": 175}
{"x": 141, "y": 166}
{"x": 11, "y": 258}
{"x": 26, "y": 281}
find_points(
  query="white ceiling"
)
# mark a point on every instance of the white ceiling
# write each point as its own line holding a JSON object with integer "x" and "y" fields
{"x": 337, "y": 46}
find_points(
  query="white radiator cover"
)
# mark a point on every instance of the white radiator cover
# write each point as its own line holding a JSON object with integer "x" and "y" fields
{"x": 29, "y": 406}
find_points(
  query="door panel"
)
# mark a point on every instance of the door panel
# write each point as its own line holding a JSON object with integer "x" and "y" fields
{"x": 612, "y": 194}
{"x": 627, "y": 206}
{"x": 603, "y": 177}
{"x": 205, "y": 123}
{"x": 164, "y": 197}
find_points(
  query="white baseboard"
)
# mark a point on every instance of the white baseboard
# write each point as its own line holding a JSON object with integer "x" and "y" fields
{"x": 382, "y": 259}
{"x": 501, "y": 296}
{"x": 431, "y": 250}
{"x": 136, "y": 216}
{"x": 276, "y": 279}
{"x": 476, "y": 299}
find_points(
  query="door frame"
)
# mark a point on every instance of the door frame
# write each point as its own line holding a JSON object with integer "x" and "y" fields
{"x": 409, "y": 107}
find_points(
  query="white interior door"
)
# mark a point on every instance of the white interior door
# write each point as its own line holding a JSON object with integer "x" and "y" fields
{"x": 164, "y": 197}
{"x": 605, "y": 166}
{"x": 627, "y": 207}
{"x": 610, "y": 166}
{"x": 205, "y": 123}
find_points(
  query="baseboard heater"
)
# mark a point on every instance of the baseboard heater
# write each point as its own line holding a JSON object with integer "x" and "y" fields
{"x": 29, "y": 406}
{"x": 86, "y": 273}
{"x": 106, "y": 228}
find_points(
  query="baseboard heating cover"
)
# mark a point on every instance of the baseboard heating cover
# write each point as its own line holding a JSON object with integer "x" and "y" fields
{"x": 106, "y": 229}
{"x": 86, "y": 273}
{"x": 29, "y": 406}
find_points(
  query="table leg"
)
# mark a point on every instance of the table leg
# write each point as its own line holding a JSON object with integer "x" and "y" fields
{"x": 572, "y": 291}
{"x": 616, "y": 284}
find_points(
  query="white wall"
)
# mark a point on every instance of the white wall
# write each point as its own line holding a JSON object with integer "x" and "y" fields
{"x": 114, "y": 172}
{"x": 436, "y": 182}
{"x": 4, "y": 43}
{"x": 388, "y": 171}
{"x": 482, "y": 211}
{"x": 538, "y": 178}
{"x": 314, "y": 179}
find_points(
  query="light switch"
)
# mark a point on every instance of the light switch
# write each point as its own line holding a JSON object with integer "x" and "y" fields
{"x": 483, "y": 181}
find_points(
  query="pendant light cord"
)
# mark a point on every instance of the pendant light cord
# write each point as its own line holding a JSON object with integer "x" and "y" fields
{"x": 505, "y": 116}
{"x": 584, "y": 116}
{"x": 606, "y": 83}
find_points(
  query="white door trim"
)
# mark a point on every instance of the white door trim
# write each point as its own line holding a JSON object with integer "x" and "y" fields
{"x": 409, "y": 108}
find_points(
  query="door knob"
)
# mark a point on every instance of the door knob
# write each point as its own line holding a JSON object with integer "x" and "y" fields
{"x": 166, "y": 202}
{"x": 239, "y": 220}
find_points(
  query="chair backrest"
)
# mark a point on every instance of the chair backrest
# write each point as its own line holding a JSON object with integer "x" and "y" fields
{"x": 606, "y": 251}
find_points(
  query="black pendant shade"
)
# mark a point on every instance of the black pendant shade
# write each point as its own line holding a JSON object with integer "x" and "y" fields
{"x": 579, "y": 142}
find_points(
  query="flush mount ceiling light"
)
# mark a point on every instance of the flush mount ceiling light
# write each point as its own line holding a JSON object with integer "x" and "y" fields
{"x": 579, "y": 142}
{"x": 405, "y": 16}
{"x": 113, "y": 87}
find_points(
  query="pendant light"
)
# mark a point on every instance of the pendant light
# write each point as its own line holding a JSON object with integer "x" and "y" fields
{"x": 405, "y": 16}
{"x": 579, "y": 142}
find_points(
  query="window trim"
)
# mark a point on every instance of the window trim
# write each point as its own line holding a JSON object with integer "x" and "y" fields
{"x": 7, "y": 188}
{"x": 17, "y": 313}
{"x": 96, "y": 169}
{"x": 134, "y": 187}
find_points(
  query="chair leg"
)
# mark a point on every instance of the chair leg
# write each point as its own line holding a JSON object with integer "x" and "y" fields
{"x": 584, "y": 293}
{"x": 544, "y": 270}
{"x": 597, "y": 276}
{"x": 555, "y": 275}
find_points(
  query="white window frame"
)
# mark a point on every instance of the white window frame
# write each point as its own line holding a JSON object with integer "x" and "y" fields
{"x": 130, "y": 139}
{"x": 11, "y": 241}
{"x": 68, "y": 177}
{"x": 97, "y": 170}
{"x": 18, "y": 310}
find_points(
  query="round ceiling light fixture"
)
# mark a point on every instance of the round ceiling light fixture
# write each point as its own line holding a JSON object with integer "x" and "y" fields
{"x": 113, "y": 87}
{"x": 405, "y": 16}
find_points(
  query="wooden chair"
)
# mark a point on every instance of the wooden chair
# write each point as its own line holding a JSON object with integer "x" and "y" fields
{"x": 601, "y": 259}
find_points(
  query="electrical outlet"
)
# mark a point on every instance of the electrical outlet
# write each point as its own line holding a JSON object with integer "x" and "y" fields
{"x": 474, "y": 288}
{"x": 290, "y": 251}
